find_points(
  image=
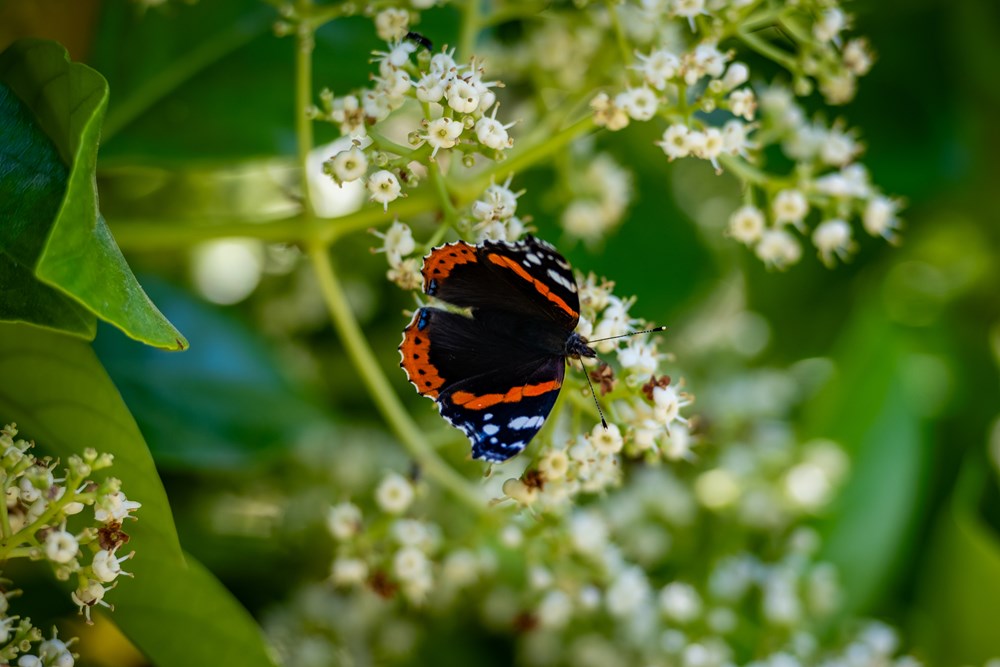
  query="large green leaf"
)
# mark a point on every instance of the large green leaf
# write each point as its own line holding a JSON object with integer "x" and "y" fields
{"x": 74, "y": 251}
{"x": 956, "y": 618}
{"x": 223, "y": 405}
{"x": 58, "y": 394}
{"x": 870, "y": 411}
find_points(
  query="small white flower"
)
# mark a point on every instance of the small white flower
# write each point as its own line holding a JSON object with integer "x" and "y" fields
{"x": 107, "y": 567}
{"x": 689, "y": 9}
{"x": 349, "y": 165}
{"x": 789, "y": 206}
{"x": 520, "y": 492}
{"x": 839, "y": 89}
{"x": 491, "y": 133}
{"x": 627, "y": 593}
{"x": 397, "y": 242}
{"x": 28, "y": 660}
{"x": 743, "y": 103}
{"x": 667, "y": 404}
{"x": 746, "y": 224}
{"x": 608, "y": 440}
{"x": 391, "y": 24}
{"x": 736, "y": 75}
{"x": 394, "y": 494}
{"x": 828, "y": 28}
{"x": 430, "y": 88}
{"x": 344, "y": 520}
{"x": 554, "y": 464}
{"x": 608, "y": 114}
{"x": 54, "y": 653}
{"x": 410, "y": 564}
{"x": 443, "y": 133}
{"x": 717, "y": 489}
{"x": 639, "y": 357}
{"x": 680, "y": 602}
{"x": 658, "y": 67}
{"x": 61, "y": 546}
{"x": 838, "y": 148}
{"x": 857, "y": 56}
{"x": 463, "y": 96}
{"x": 384, "y": 187}
{"x": 778, "y": 249}
{"x": 114, "y": 507}
{"x": 588, "y": 533}
{"x": 348, "y": 571}
{"x": 879, "y": 217}
{"x": 833, "y": 237}
{"x": 678, "y": 444}
{"x": 639, "y": 103}
{"x": 406, "y": 274}
{"x": 675, "y": 141}
{"x": 88, "y": 595}
{"x": 708, "y": 145}
{"x": 460, "y": 568}
{"x": 555, "y": 610}
{"x": 585, "y": 219}
{"x": 411, "y": 533}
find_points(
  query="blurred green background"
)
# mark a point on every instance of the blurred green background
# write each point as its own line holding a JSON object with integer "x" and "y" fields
{"x": 199, "y": 130}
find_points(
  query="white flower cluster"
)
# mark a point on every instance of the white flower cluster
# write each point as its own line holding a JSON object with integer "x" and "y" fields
{"x": 459, "y": 115}
{"x": 601, "y": 194}
{"x": 410, "y": 561}
{"x": 397, "y": 243}
{"x": 826, "y": 180}
{"x": 39, "y": 507}
{"x": 494, "y": 214}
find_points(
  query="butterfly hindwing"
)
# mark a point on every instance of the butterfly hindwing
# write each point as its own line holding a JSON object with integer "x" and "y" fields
{"x": 501, "y": 415}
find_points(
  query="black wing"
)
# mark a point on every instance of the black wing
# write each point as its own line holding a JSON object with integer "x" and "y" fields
{"x": 496, "y": 388}
{"x": 529, "y": 279}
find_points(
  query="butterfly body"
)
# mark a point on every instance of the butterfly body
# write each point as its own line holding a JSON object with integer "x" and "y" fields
{"x": 494, "y": 360}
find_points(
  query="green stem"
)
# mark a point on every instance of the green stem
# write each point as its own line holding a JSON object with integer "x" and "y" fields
{"x": 348, "y": 329}
{"x": 619, "y": 30}
{"x": 444, "y": 199}
{"x": 182, "y": 68}
{"x": 4, "y": 518}
{"x": 378, "y": 386}
{"x": 768, "y": 50}
{"x": 534, "y": 153}
{"x": 745, "y": 171}
{"x": 469, "y": 30}
{"x": 164, "y": 235}
{"x": 305, "y": 41}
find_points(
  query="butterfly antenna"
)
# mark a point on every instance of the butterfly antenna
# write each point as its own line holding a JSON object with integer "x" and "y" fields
{"x": 593, "y": 393}
{"x": 630, "y": 333}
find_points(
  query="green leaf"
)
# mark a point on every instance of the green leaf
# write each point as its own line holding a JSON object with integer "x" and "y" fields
{"x": 75, "y": 253}
{"x": 956, "y": 618}
{"x": 24, "y": 299}
{"x": 869, "y": 410}
{"x": 223, "y": 405}
{"x": 178, "y": 614}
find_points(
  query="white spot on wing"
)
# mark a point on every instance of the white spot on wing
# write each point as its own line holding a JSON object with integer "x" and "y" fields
{"x": 523, "y": 422}
{"x": 491, "y": 429}
{"x": 560, "y": 280}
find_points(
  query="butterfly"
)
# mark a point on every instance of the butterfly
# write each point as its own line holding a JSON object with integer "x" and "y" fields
{"x": 495, "y": 360}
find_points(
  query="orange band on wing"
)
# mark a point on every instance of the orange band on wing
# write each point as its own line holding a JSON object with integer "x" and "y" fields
{"x": 542, "y": 288}
{"x": 481, "y": 402}
{"x": 416, "y": 362}
{"x": 441, "y": 261}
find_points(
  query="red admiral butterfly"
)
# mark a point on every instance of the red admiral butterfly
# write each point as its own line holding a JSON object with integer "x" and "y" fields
{"x": 495, "y": 371}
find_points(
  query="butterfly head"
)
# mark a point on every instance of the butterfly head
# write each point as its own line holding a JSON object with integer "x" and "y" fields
{"x": 576, "y": 347}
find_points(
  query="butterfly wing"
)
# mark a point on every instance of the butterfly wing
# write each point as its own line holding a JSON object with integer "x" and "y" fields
{"x": 497, "y": 388}
{"x": 529, "y": 279}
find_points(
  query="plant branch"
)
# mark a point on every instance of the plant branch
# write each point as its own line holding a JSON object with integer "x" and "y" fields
{"x": 378, "y": 386}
